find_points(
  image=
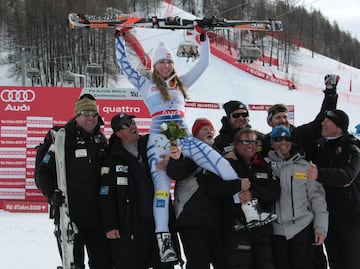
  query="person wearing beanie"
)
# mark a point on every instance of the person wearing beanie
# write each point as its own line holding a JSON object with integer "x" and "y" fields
{"x": 339, "y": 117}
{"x": 129, "y": 226}
{"x": 278, "y": 115}
{"x": 162, "y": 52}
{"x": 336, "y": 164}
{"x": 280, "y": 132}
{"x": 86, "y": 103}
{"x": 164, "y": 95}
{"x": 302, "y": 221}
{"x": 85, "y": 149}
{"x": 237, "y": 118}
{"x": 204, "y": 130}
{"x": 307, "y": 133}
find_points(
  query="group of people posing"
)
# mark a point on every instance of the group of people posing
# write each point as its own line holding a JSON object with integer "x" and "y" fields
{"x": 242, "y": 199}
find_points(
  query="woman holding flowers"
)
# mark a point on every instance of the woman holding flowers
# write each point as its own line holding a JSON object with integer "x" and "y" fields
{"x": 165, "y": 94}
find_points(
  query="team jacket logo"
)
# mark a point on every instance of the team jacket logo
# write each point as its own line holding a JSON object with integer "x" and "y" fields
{"x": 17, "y": 96}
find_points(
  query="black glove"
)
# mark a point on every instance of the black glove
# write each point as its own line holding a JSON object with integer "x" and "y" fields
{"x": 121, "y": 32}
{"x": 57, "y": 198}
{"x": 200, "y": 31}
{"x": 331, "y": 81}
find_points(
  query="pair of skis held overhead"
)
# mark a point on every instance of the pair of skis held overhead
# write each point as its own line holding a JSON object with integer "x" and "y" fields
{"x": 67, "y": 229}
{"x": 78, "y": 20}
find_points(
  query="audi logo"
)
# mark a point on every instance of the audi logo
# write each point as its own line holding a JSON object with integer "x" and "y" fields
{"x": 17, "y": 96}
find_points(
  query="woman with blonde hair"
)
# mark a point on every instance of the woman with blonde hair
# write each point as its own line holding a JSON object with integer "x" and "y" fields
{"x": 165, "y": 94}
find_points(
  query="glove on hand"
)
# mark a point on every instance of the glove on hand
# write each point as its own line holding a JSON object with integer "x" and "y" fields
{"x": 121, "y": 31}
{"x": 57, "y": 199}
{"x": 201, "y": 31}
{"x": 331, "y": 81}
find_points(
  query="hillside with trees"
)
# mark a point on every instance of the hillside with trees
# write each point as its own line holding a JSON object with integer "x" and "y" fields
{"x": 37, "y": 37}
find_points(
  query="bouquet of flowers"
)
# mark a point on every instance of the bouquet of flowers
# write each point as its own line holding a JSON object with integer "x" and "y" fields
{"x": 173, "y": 131}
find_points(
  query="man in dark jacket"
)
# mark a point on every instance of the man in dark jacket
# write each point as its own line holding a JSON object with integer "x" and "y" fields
{"x": 245, "y": 247}
{"x": 237, "y": 117}
{"x": 127, "y": 194}
{"x": 336, "y": 158}
{"x": 305, "y": 134}
{"x": 85, "y": 148}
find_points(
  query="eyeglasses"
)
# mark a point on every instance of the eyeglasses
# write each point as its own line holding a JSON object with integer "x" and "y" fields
{"x": 248, "y": 142}
{"x": 126, "y": 124}
{"x": 237, "y": 115}
{"x": 89, "y": 113}
{"x": 282, "y": 138}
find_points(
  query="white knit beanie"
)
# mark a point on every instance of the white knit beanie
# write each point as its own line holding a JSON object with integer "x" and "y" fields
{"x": 162, "y": 52}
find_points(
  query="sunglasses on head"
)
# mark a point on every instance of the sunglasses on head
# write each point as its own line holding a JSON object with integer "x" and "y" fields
{"x": 237, "y": 115}
{"x": 248, "y": 142}
{"x": 89, "y": 113}
{"x": 331, "y": 113}
{"x": 282, "y": 138}
{"x": 88, "y": 96}
{"x": 126, "y": 124}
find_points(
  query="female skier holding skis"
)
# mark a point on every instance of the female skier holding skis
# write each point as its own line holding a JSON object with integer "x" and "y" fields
{"x": 165, "y": 96}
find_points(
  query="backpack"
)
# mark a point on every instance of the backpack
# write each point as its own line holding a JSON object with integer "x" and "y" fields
{"x": 43, "y": 148}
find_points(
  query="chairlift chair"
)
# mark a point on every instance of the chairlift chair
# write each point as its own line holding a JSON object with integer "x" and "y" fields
{"x": 94, "y": 75}
{"x": 188, "y": 49}
{"x": 249, "y": 54}
{"x": 32, "y": 72}
{"x": 94, "y": 69}
{"x": 68, "y": 77}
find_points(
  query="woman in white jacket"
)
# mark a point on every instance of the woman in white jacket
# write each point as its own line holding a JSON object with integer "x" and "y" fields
{"x": 302, "y": 216}
{"x": 164, "y": 95}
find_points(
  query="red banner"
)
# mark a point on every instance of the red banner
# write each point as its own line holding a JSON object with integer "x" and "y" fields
{"x": 27, "y": 113}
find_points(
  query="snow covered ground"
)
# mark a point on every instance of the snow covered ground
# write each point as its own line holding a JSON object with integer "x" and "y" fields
{"x": 27, "y": 239}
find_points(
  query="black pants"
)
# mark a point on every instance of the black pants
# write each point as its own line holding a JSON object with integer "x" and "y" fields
{"x": 249, "y": 250}
{"x": 138, "y": 252}
{"x": 343, "y": 246}
{"x": 97, "y": 248}
{"x": 295, "y": 253}
{"x": 202, "y": 246}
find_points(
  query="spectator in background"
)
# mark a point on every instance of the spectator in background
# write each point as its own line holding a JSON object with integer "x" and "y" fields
{"x": 357, "y": 128}
{"x": 237, "y": 117}
{"x": 127, "y": 193}
{"x": 336, "y": 164}
{"x": 85, "y": 148}
{"x": 301, "y": 210}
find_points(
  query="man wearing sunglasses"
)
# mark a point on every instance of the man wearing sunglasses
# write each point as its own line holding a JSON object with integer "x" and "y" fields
{"x": 237, "y": 117}
{"x": 336, "y": 164}
{"x": 85, "y": 149}
{"x": 127, "y": 194}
